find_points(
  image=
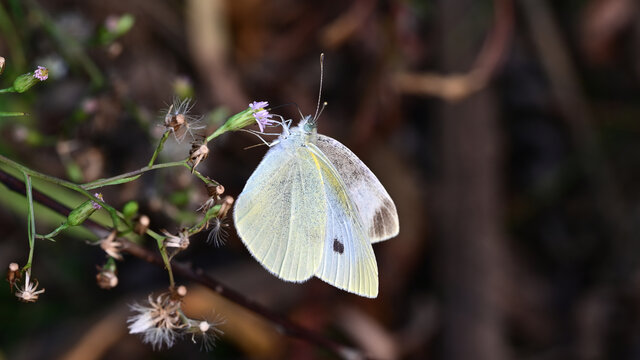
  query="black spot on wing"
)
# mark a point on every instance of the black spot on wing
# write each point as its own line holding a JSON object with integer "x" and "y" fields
{"x": 338, "y": 246}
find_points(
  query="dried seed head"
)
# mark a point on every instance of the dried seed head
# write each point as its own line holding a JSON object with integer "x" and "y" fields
{"x": 107, "y": 278}
{"x": 227, "y": 203}
{"x": 142, "y": 224}
{"x": 218, "y": 234}
{"x": 206, "y": 332}
{"x": 158, "y": 321}
{"x": 28, "y": 292}
{"x": 198, "y": 152}
{"x": 179, "y": 241}
{"x": 179, "y": 121}
{"x": 13, "y": 274}
{"x": 214, "y": 189}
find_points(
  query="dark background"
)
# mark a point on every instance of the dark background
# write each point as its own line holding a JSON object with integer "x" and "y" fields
{"x": 506, "y": 132}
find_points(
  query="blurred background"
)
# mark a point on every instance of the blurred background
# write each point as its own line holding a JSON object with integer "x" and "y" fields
{"x": 506, "y": 132}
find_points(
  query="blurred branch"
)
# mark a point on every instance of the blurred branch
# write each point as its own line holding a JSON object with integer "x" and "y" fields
{"x": 566, "y": 89}
{"x": 197, "y": 275}
{"x": 208, "y": 36}
{"x": 456, "y": 87}
{"x": 344, "y": 27}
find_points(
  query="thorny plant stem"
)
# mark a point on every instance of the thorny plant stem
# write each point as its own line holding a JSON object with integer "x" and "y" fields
{"x": 198, "y": 275}
{"x": 31, "y": 222}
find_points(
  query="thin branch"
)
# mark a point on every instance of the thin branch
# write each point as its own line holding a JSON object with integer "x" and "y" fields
{"x": 455, "y": 87}
{"x": 284, "y": 325}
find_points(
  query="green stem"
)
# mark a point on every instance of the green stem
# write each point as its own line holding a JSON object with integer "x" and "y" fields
{"x": 164, "y": 138}
{"x": 211, "y": 213}
{"x": 8, "y": 90}
{"x": 64, "y": 183}
{"x": 31, "y": 226}
{"x": 6, "y": 114}
{"x": 163, "y": 252}
{"x": 114, "y": 180}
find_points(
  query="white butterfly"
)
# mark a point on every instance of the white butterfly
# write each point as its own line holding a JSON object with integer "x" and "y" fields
{"x": 313, "y": 208}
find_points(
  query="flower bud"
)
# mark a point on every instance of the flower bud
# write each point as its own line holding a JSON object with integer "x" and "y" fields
{"x": 2, "y": 61}
{"x": 255, "y": 113}
{"x": 83, "y": 211}
{"x": 26, "y": 81}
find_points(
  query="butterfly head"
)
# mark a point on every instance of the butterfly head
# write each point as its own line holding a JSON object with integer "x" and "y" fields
{"x": 309, "y": 124}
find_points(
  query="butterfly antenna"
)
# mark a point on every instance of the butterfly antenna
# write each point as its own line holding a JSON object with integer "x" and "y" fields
{"x": 315, "y": 117}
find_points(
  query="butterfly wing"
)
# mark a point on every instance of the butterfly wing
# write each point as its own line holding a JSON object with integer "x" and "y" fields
{"x": 281, "y": 213}
{"x": 377, "y": 211}
{"x": 348, "y": 261}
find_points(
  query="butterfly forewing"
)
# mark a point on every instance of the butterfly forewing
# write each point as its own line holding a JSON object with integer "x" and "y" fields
{"x": 376, "y": 210}
{"x": 348, "y": 261}
{"x": 281, "y": 213}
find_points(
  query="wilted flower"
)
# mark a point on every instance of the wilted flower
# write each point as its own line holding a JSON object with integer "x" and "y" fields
{"x": 158, "y": 321}
{"x": 28, "y": 292}
{"x": 107, "y": 278}
{"x": 198, "y": 152}
{"x": 180, "y": 241}
{"x": 214, "y": 191}
{"x": 179, "y": 121}
{"x": 111, "y": 245}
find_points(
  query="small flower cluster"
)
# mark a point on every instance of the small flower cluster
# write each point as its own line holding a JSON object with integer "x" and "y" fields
{"x": 161, "y": 321}
{"x": 262, "y": 116}
{"x": 94, "y": 204}
{"x": 41, "y": 73}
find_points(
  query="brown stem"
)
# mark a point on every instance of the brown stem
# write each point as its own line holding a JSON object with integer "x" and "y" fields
{"x": 198, "y": 275}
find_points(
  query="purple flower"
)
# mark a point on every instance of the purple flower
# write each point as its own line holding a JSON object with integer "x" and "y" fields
{"x": 95, "y": 204}
{"x": 257, "y": 105}
{"x": 262, "y": 116}
{"x": 41, "y": 73}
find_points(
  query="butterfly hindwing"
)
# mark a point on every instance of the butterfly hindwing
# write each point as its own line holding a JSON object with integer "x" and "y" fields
{"x": 281, "y": 213}
{"x": 348, "y": 261}
{"x": 377, "y": 211}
